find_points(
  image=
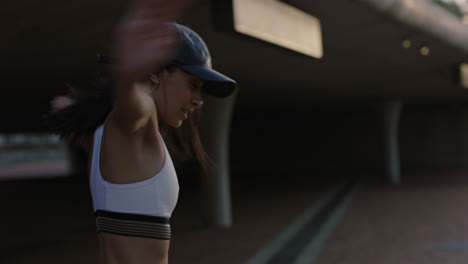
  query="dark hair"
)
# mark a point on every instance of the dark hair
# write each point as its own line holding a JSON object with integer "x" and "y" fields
{"x": 89, "y": 108}
{"x": 91, "y": 105}
{"x": 184, "y": 143}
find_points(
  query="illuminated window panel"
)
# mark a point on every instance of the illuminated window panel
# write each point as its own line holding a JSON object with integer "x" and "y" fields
{"x": 464, "y": 75}
{"x": 280, "y": 24}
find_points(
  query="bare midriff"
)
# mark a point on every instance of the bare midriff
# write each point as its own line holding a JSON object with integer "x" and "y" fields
{"x": 116, "y": 249}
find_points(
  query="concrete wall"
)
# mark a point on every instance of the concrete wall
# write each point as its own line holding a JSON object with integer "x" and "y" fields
{"x": 344, "y": 141}
{"x": 318, "y": 142}
{"x": 434, "y": 137}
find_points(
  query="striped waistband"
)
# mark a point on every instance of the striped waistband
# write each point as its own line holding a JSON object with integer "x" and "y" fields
{"x": 133, "y": 225}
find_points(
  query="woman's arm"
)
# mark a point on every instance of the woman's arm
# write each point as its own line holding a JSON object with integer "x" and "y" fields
{"x": 133, "y": 106}
{"x": 144, "y": 42}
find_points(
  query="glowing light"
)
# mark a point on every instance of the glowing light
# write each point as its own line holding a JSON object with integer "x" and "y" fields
{"x": 280, "y": 24}
{"x": 464, "y": 75}
{"x": 424, "y": 50}
{"x": 406, "y": 43}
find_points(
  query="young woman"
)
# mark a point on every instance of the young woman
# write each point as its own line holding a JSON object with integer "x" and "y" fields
{"x": 162, "y": 72}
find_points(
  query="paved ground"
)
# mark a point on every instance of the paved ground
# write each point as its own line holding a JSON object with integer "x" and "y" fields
{"x": 425, "y": 220}
{"x": 51, "y": 221}
{"x": 422, "y": 221}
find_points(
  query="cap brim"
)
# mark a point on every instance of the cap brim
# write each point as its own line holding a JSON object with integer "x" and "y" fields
{"x": 217, "y": 84}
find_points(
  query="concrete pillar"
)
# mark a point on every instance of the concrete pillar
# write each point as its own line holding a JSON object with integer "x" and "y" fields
{"x": 390, "y": 116}
{"x": 464, "y": 135}
{"x": 215, "y": 185}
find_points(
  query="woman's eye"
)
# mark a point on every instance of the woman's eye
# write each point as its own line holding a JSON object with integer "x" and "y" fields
{"x": 194, "y": 86}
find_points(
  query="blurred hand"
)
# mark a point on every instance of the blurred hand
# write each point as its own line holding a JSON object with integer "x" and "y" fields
{"x": 144, "y": 41}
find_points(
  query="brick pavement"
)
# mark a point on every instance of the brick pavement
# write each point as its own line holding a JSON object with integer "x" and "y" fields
{"x": 51, "y": 221}
{"x": 425, "y": 220}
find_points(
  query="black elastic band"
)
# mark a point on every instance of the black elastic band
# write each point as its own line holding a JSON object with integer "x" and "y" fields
{"x": 132, "y": 217}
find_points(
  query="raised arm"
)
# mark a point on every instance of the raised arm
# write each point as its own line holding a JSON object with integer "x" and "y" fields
{"x": 143, "y": 42}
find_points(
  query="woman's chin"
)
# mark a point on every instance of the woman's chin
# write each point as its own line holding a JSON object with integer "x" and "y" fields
{"x": 176, "y": 124}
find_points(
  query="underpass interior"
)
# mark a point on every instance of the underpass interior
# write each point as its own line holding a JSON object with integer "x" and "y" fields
{"x": 301, "y": 127}
{"x": 282, "y": 162}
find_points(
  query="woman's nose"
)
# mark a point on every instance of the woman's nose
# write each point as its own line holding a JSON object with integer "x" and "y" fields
{"x": 197, "y": 103}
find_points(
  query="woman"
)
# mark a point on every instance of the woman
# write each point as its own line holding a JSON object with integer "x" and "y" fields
{"x": 161, "y": 73}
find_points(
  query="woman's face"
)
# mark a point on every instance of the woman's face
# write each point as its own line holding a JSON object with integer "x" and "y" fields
{"x": 177, "y": 95}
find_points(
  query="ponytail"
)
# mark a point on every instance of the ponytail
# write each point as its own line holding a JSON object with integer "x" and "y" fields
{"x": 88, "y": 109}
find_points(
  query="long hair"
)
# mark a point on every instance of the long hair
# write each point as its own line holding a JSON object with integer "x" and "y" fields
{"x": 89, "y": 107}
{"x": 184, "y": 143}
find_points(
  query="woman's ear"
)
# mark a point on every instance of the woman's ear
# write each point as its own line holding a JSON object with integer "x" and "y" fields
{"x": 155, "y": 78}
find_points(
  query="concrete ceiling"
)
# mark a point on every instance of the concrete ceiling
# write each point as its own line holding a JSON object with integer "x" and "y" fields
{"x": 47, "y": 43}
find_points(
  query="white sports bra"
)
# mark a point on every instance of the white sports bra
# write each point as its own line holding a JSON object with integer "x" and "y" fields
{"x": 135, "y": 209}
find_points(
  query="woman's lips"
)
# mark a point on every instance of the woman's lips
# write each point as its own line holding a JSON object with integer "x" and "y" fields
{"x": 186, "y": 113}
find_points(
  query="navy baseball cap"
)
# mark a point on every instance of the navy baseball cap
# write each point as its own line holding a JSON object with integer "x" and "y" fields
{"x": 192, "y": 56}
